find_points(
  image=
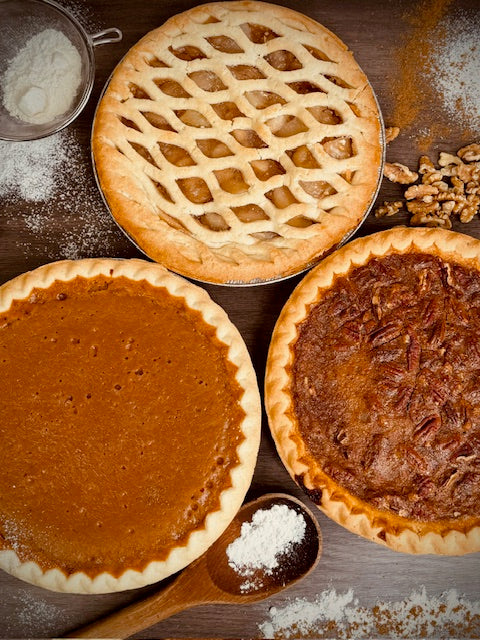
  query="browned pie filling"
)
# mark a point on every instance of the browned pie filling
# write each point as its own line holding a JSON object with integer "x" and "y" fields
{"x": 387, "y": 385}
{"x": 119, "y": 423}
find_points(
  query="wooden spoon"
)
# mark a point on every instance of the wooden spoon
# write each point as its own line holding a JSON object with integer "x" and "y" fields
{"x": 211, "y": 580}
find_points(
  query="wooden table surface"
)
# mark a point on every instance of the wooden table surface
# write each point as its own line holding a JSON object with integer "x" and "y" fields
{"x": 374, "y": 31}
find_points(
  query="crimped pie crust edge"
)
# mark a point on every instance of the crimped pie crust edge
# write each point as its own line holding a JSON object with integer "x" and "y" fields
{"x": 230, "y": 499}
{"x": 125, "y": 198}
{"x": 445, "y": 537}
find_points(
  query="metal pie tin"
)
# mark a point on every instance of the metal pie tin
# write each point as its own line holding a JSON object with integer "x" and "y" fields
{"x": 303, "y": 268}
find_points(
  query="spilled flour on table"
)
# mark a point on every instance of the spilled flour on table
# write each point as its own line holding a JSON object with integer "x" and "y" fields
{"x": 32, "y": 615}
{"x": 51, "y": 183}
{"x": 32, "y": 169}
{"x": 38, "y": 614}
{"x": 339, "y": 615}
{"x": 84, "y": 14}
{"x": 455, "y": 68}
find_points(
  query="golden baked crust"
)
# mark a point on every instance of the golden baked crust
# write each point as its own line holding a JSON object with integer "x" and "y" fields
{"x": 446, "y": 535}
{"x": 199, "y": 304}
{"x": 239, "y": 142}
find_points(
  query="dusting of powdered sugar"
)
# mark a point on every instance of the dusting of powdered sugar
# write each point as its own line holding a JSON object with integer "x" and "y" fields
{"x": 31, "y": 614}
{"x": 35, "y": 614}
{"x": 269, "y": 535}
{"x": 331, "y": 614}
{"x": 53, "y": 190}
{"x": 454, "y": 71}
{"x": 84, "y": 14}
{"x": 14, "y": 535}
{"x": 31, "y": 169}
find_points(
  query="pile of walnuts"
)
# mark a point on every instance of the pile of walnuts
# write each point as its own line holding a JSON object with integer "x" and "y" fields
{"x": 434, "y": 194}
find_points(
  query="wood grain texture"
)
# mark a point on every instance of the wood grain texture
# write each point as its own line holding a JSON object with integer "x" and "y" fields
{"x": 211, "y": 580}
{"x": 373, "y": 30}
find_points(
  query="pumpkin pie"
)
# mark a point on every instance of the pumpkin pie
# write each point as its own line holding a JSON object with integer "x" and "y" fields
{"x": 372, "y": 389}
{"x": 239, "y": 142}
{"x": 129, "y": 422}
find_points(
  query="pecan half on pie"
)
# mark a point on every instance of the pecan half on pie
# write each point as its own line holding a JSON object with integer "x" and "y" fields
{"x": 129, "y": 422}
{"x": 238, "y": 142}
{"x": 373, "y": 389}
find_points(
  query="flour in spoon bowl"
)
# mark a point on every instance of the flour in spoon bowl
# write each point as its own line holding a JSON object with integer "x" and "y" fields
{"x": 270, "y": 535}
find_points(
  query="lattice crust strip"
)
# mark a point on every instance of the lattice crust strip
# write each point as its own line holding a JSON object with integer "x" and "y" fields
{"x": 238, "y": 134}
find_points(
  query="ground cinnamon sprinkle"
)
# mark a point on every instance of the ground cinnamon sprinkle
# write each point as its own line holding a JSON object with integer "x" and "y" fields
{"x": 436, "y": 58}
{"x": 339, "y": 615}
{"x": 413, "y": 59}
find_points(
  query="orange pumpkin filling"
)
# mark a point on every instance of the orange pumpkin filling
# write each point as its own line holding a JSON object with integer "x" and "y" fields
{"x": 120, "y": 418}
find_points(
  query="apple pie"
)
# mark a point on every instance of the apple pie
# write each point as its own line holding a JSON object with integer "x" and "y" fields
{"x": 238, "y": 143}
{"x": 129, "y": 422}
{"x": 372, "y": 389}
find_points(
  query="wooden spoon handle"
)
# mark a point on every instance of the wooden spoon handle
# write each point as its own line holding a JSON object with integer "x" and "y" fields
{"x": 180, "y": 595}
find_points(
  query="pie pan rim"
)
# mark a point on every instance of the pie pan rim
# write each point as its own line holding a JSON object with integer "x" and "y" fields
{"x": 442, "y": 537}
{"x": 230, "y": 499}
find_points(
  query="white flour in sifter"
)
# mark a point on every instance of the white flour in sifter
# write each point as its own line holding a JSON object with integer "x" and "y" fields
{"x": 270, "y": 534}
{"x": 41, "y": 81}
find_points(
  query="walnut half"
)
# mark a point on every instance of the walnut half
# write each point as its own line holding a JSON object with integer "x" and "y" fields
{"x": 391, "y": 133}
{"x": 388, "y": 208}
{"x": 399, "y": 173}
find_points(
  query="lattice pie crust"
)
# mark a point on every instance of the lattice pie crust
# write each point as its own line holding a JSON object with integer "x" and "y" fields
{"x": 238, "y": 142}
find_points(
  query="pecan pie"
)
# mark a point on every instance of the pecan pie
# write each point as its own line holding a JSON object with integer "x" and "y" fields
{"x": 129, "y": 422}
{"x": 238, "y": 142}
{"x": 372, "y": 389}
